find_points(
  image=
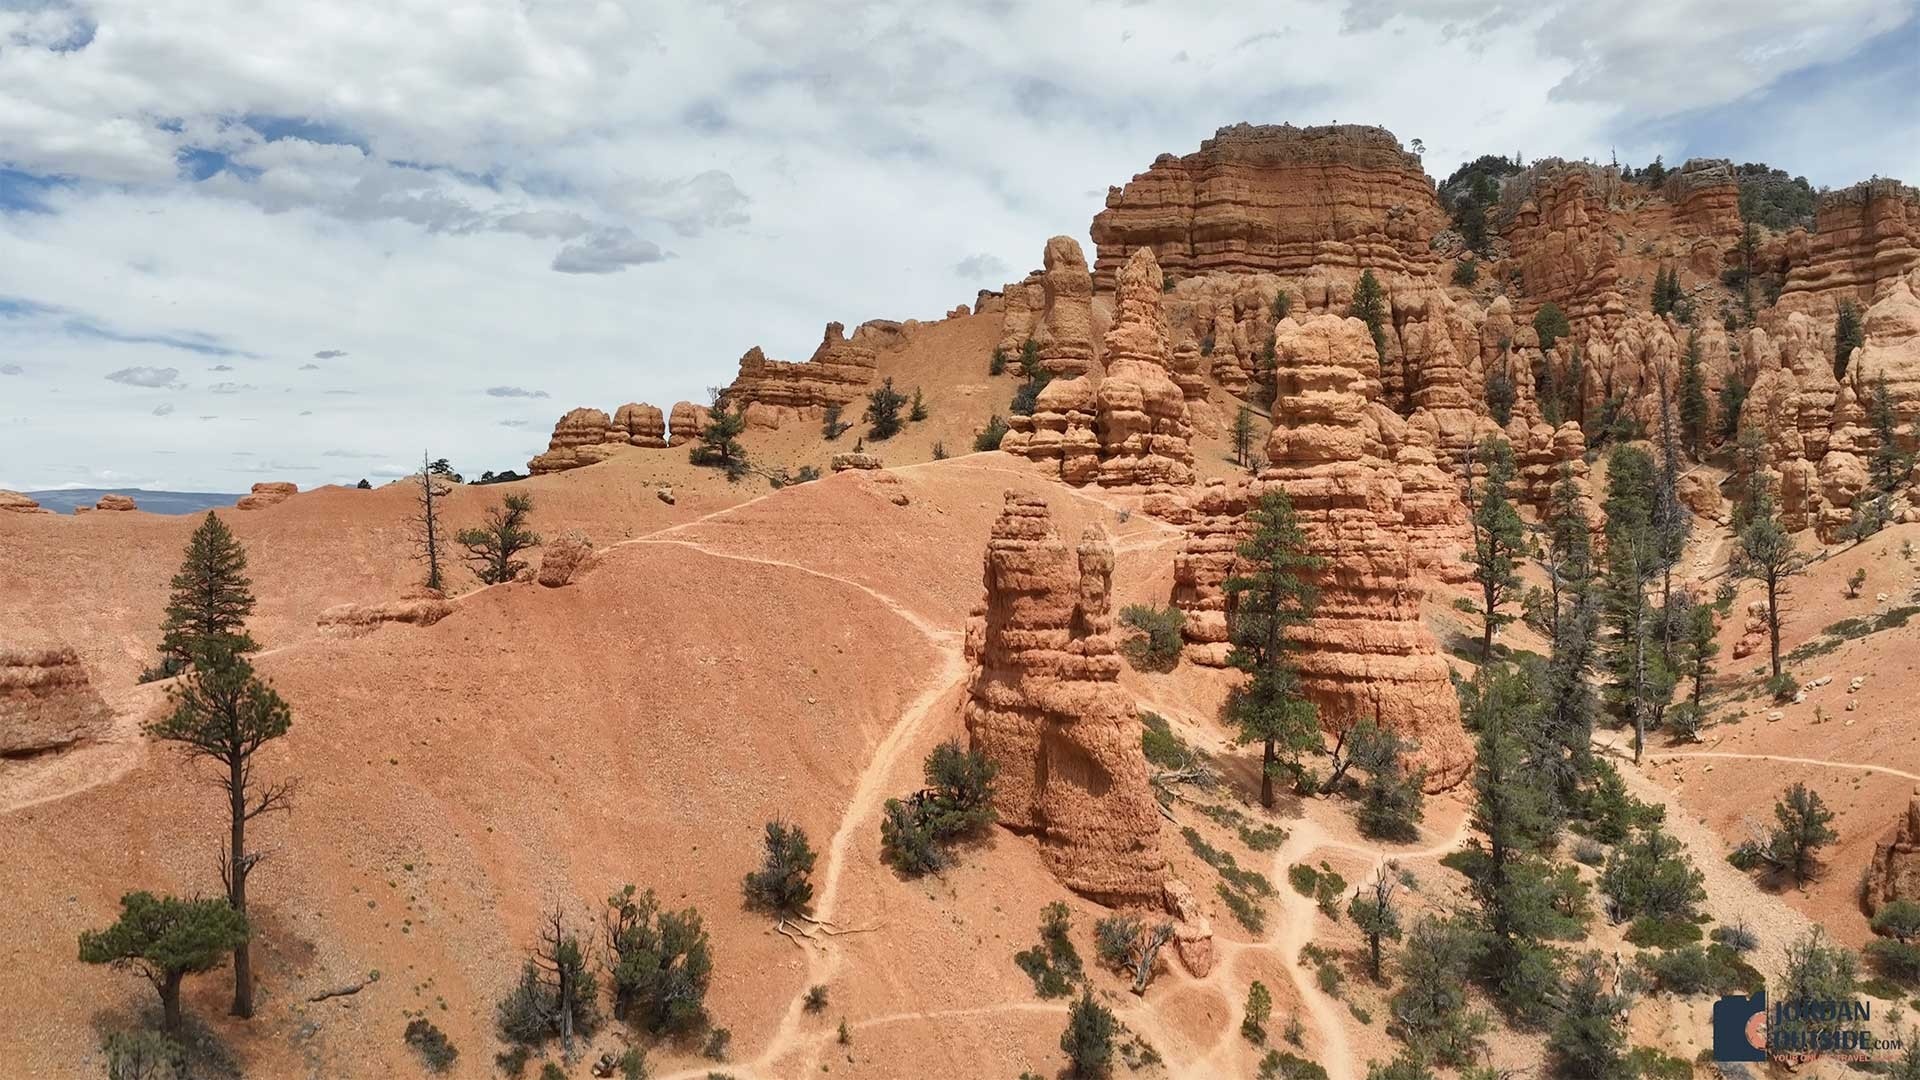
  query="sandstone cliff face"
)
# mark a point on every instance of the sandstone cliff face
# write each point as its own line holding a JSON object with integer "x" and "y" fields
{"x": 1332, "y": 450}
{"x": 1705, "y": 200}
{"x": 1046, "y": 705}
{"x": 772, "y": 392}
{"x": 46, "y": 701}
{"x": 582, "y": 437}
{"x": 1053, "y": 308}
{"x": 1556, "y": 212}
{"x": 1863, "y": 237}
{"x": 640, "y": 424}
{"x": 1276, "y": 198}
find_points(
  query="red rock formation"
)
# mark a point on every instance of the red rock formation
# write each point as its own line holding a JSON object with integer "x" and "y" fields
{"x": 686, "y": 422}
{"x": 1145, "y": 434}
{"x": 1215, "y": 524}
{"x": 46, "y": 701}
{"x": 115, "y": 502}
{"x": 1704, "y": 199}
{"x": 1045, "y": 704}
{"x": 640, "y": 425}
{"x": 855, "y": 460}
{"x": 1892, "y": 347}
{"x": 1555, "y": 214}
{"x": 1863, "y": 237}
{"x": 1064, "y": 330}
{"x": 582, "y": 437}
{"x": 1367, "y": 654}
{"x": 1894, "y": 873}
{"x": 838, "y": 373}
{"x": 1276, "y": 198}
{"x": 266, "y": 494}
{"x": 14, "y": 502}
{"x": 1061, "y": 429}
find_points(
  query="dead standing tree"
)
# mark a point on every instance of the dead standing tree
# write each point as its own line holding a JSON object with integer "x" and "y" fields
{"x": 429, "y": 539}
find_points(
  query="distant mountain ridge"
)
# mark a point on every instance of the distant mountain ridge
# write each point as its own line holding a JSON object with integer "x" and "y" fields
{"x": 63, "y": 500}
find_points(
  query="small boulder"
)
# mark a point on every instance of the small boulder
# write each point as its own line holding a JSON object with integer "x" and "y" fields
{"x": 266, "y": 494}
{"x": 565, "y": 559}
{"x": 115, "y": 502}
{"x": 14, "y": 502}
{"x": 664, "y": 494}
{"x": 843, "y": 462}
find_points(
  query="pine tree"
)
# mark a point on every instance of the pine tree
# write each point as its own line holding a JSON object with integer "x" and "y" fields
{"x": 492, "y": 547}
{"x": 1639, "y": 686}
{"x": 660, "y": 963}
{"x": 1804, "y": 826}
{"x": 1890, "y": 465}
{"x": 1766, "y": 554}
{"x": 166, "y": 939}
{"x": 1273, "y": 593}
{"x": 1848, "y": 335}
{"x": 1431, "y": 1009}
{"x": 1370, "y": 307}
{"x": 1551, "y": 325}
{"x": 1670, "y": 520}
{"x": 1499, "y": 540}
{"x": 918, "y": 411}
{"x": 210, "y": 601}
{"x": 1573, "y": 623}
{"x": 429, "y": 537}
{"x": 883, "y": 411}
{"x": 1088, "y": 1039}
{"x": 1697, "y": 647}
{"x": 1512, "y": 810}
{"x": 782, "y": 884}
{"x": 223, "y": 713}
{"x": 719, "y": 445}
{"x": 1749, "y": 252}
{"x": 1243, "y": 437}
{"x": 1693, "y": 399}
{"x": 1586, "y": 1042}
{"x": 1391, "y": 802}
{"x": 1373, "y": 911}
{"x": 1749, "y": 478}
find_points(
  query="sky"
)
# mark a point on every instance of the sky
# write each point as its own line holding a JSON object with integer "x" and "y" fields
{"x": 278, "y": 239}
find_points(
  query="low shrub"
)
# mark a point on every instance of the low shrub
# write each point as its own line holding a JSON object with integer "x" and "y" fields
{"x": 1157, "y": 646}
{"x": 431, "y": 1043}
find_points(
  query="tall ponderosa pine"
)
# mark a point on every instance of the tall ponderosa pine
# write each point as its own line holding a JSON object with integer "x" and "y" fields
{"x": 1694, "y": 412}
{"x": 429, "y": 535}
{"x": 223, "y": 713}
{"x": 492, "y": 547}
{"x": 1376, "y": 915}
{"x": 1766, "y": 554}
{"x": 1243, "y": 437}
{"x": 1573, "y": 624}
{"x": 210, "y": 601}
{"x": 1694, "y": 653}
{"x": 1499, "y": 539}
{"x": 1512, "y": 810}
{"x": 166, "y": 939}
{"x": 1670, "y": 520}
{"x": 1272, "y": 593}
{"x": 1638, "y": 686}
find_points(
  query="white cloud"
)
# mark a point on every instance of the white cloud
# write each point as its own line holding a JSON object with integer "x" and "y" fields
{"x": 275, "y": 174}
{"x": 606, "y": 251}
{"x": 12, "y": 369}
{"x": 151, "y": 377}
{"x": 165, "y": 408}
{"x": 514, "y": 392}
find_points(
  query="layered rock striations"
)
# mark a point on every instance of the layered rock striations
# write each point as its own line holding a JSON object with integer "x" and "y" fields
{"x": 1046, "y": 706}
{"x": 584, "y": 436}
{"x": 1894, "y": 873}
{"x": 46, "y": 701}
{"x": 1276, "y": 198}
{"x": 771, "y": 392}
{"x": 1053, "y": 308}
{"x": 14, "y": 502}
{"x": 1554, "y": 224}
{"x": 267, "y": 493}
{"x": 1336, "y": 454}
{"x": 1863, "y": 237}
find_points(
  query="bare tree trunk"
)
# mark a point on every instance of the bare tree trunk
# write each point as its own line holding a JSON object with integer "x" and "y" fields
{"x": 1266, "y": 776}
{"x": 238, "y": 868}
{"x": 1773, "y": 620}
{"x": 170, "y": 1002}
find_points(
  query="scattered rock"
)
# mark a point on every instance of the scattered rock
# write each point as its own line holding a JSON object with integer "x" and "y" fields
{"x": 1854, "y": 684}
{"x": 850, "y": 460}
{"x": 46, "y": 700}
{"x": 1773, "y": 716}
{"x": 1192, "y": 930}
{"x": 664, "y": 494}
{"x": 419, "y": 606}
{"x": 565, "y": 559}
